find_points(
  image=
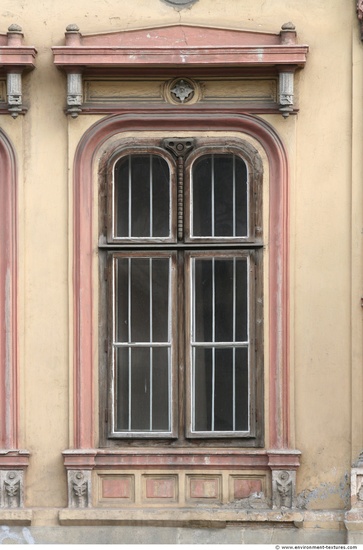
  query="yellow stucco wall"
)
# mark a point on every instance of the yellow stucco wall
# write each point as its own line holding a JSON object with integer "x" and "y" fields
{"x": 324, "y": 142}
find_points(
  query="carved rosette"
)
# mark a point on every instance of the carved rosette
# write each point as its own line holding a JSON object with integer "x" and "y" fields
{"x": 283, "y": 489}
{"x": 11, "y": 488}
{"x": 182, "y": 91}
{"x": 79, "y": 488}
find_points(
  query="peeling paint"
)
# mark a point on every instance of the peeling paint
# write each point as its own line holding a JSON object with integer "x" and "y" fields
{"x": 308, "y": 497}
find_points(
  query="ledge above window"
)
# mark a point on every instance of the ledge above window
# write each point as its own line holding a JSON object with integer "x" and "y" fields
{"x": 180, "y": 52}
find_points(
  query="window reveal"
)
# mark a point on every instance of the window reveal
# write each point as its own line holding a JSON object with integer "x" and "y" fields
{"x": 182, "y": 223}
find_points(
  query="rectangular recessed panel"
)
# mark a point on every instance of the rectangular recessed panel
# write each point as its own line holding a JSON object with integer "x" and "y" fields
{"x": 161, "y": 488}
{"x": 204, "y": 488}
{"x": 117, "y": 487}
{"x": 245, "y": 487}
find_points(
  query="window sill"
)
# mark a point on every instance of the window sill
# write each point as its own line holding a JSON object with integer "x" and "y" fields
{"x": 177, "y": 517}
{"x": 16, "y": 517}
{"x": 175, "y": 458}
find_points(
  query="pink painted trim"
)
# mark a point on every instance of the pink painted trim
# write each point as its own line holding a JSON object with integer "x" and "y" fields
{"x": 180, "y": 46}
{"x": 14, "y": 460}
{"x": 8, "y": 297}
{"x": 14, "y": 54}
{"x": 85, "y": 332}
{"x": 181, "y": 458}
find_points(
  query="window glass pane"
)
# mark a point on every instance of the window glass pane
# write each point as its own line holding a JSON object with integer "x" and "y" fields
{"x": 160, "y": 198}
{"x": 122, "y": 382}
{"x": 220, "y": 389}
{"x": 142, "y": 197}
{"x": 203, "y": 300}
{"x": 224, "y": 284}
{"x": 242, "y": 392}
{"x": 122, "y": 299}
{"x": 202, "y": 196}
{"x": 160, "y": 299}
{"x": 140, "y": 299}
{"x": 224, "y": 389}
{"x": 140, "y": 389}
{"x": 202, "y": 389}
{"x": 142, "y": 371}
{"x": 219, "y": 196}
{"x": 220, "y": 376}
{"x": 220, "y": 303}
{"x": 160, "y": 389}
{"x": 241, "y": 275}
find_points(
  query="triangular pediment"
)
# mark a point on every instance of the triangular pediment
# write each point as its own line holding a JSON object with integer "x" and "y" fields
{"x": 181, "y": 45}
{"x": 181, "y": 36}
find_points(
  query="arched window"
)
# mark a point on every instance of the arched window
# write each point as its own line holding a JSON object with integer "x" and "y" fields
{"x": 184, "y": 273}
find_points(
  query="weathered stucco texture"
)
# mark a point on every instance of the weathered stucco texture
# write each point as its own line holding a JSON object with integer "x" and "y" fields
{"x": 323, "y": 142}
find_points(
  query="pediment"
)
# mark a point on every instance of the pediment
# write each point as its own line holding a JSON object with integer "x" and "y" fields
{"x": 175, "y": 54}
{"x": 181, "y": 36}
{"x": 181, "y": 45}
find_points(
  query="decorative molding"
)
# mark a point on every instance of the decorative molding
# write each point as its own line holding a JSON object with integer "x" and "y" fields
{"x": 8, "y": 304}
{"x": 175, "y": 48}
{"x": 283, "y": 489}
{"x": 15, "y": 58}
{"x": 286, "y": 93}
{"x": 74, "y": 93}
{"x": 11, "y": 489}
{"x": 79, "y": 488}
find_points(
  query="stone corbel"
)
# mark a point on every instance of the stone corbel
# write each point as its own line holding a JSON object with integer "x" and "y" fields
{"x": 11, "y": 489}
{"x": 13, "y": 464}
{"x": 74, "y": 93}
{"x": 286, "y": 92}
{"x": 14, "y": 93}
{"x": 286, "y": 74}
{"x": 74, "y": 77}
{"x": 14, "y": 75}
{"x": 79, "y": 488}
{"x": 283, "y": 464}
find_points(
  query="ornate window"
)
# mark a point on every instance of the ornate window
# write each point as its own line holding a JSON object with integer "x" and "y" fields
{"x": 184, "y": 246}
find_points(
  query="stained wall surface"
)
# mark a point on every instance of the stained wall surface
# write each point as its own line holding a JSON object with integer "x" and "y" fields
{"x": 323, "y": 141}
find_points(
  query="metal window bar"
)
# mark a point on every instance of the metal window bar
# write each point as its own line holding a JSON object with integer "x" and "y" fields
{"x": 130, "y": 197}
{"x": 213, "y": 339}
{"x": 151, "y": 195}
{"x": 192, "y": 401}
{"x": 234, "y": 338}
{"x": 129, "y": 335}
{"x": 130, "y": 345}
{"x": 234, "y": 194}
{"x": 220, "y": 345}
{"x": 151, "y": 338}
{"x": 212, "y": 196}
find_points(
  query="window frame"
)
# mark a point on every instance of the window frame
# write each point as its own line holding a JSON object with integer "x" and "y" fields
{"x": 252, "y": 242}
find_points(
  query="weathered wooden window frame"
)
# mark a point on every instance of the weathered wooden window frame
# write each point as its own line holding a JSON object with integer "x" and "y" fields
{"x": 249, "y": 246}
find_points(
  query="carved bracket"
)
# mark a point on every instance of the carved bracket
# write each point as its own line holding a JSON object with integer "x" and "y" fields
{"x": 11, "y": 489}
{"x": 286, "y": 93}
{"x": 79, "y": 488}
{"x": 15, "y": 59}
{"x": 283, "y": 489}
